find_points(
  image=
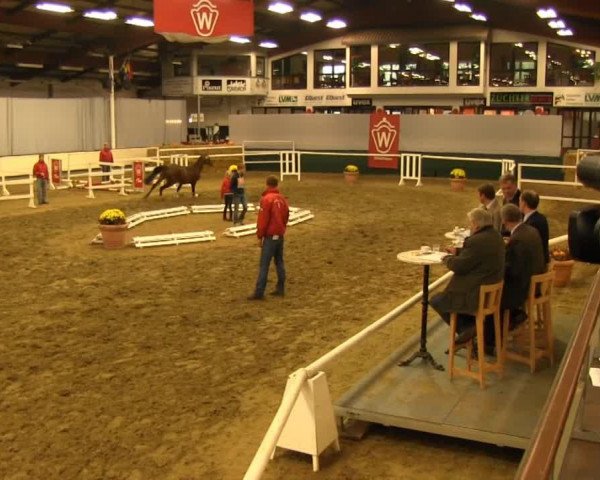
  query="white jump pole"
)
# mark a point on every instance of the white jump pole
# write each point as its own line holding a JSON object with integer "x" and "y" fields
{"x": 111, "y": 76}
{"x": 90, "y": 189}
{"x": 31, "y": 196}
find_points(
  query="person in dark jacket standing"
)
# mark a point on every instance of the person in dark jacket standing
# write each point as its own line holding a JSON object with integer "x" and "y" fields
{"x": 270, "y": 229}
{"x": 528, "y": 205}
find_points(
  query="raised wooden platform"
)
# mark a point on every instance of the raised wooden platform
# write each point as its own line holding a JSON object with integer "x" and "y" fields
{"x": 418, "y": 397}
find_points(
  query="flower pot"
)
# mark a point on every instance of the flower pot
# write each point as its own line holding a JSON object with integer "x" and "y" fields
{"x": 113, "y": 236}
{"x": 562, "y": 272}
{"x": 351, "y": 177}
{"x": 458, "y": 184}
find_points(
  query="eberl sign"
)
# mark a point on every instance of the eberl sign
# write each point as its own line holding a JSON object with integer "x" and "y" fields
{"x": 212, "y": 85}
{"x": 521, "y": 98}
{"x": 236, "y": 85}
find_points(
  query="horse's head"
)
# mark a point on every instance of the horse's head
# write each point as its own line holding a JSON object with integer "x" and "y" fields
{"x": 204, "y": 160}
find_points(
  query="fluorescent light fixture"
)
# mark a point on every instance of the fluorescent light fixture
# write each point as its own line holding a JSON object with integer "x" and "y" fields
{"x": 96, "y": 54}
{"x": 103, "y": 70}
{"x": 100, "y": 14}
{"x": 449, "y": 1}
{"x": 311, "y": 17}
{"x": 480, "y": 17}
{"x": 394, "y": 45}
{"x": 463, "y": 7}
{"x": 431, "y": 57}
{"x": 140, "y": 22}
{"x": 336, "y": 23}
{"x": 281, "y": 7}
{"x": 557, "y": 24}
{"x": 415, "y": 50}
{"x": 565, "y": 32}
{"x": 54, "y": 7}
{"x": 546, "y": 13}
{"x": 304, "y": 53}
{"x": 177, "y": 62}
{"x": 14, "y": 45}
{"x": 68, "y": 68}
{"x": 173, "y": 121}
{"x": 520, "y": 45}
{"x": 237, "y": 39}
{"x": 30, "y": 65}
{"x": 268, "y": 44}
{"x": 327, "y": 57}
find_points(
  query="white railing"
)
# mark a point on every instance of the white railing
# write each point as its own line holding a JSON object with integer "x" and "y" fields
{"x": 575, "y": 183}
{"x": 6, "y": 195}
{"x": 302, "y": 375}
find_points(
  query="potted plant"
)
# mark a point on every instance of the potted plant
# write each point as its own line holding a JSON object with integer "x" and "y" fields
{"x": 458, "y": 178}
{"x": 562, "y": 265}
{"x": 113, "y": 227}
{"x": 351, "y": 173}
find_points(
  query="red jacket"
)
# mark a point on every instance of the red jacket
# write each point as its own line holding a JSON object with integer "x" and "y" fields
{"x": 273, "y": 215}
{"x": 226, "y": 186}
{"x": 40, "y": 170}
{"x": 106, "y": 156}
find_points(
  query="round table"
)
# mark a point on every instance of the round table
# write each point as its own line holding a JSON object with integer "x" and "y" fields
{"x": 461, "y": 234}
{"x": 415, "y": 257}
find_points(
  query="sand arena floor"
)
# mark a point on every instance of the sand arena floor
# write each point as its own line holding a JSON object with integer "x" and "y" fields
{"x": 150, "y": 364}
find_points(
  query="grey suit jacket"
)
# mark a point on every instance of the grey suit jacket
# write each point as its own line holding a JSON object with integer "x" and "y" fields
{"x": 480, "y": 262}
{"x": 524, "y": 258}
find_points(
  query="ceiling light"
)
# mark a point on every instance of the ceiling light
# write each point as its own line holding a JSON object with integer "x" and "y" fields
{"x": 54, "y": 7}
{"x": 336, "y": 23}
{"x": 546, "y": 13}
{"x": 431, "y": 57}
{"x": 304, "y": 53}
{"x": 68, "y": 68}
{"x": 177, "y": 62}
{"x": 449, "y": 1}
{"x": 96, "y": 54}
{"x": 281, "y": 7}
{"x": 556, "y": 24}
{"x": 415, "y": 50}
{"x": 30, "y": 65}
{"x": 463, "y": 7}
{"x": 565, "y": 32}
{"x": 236, "y": 39}
{"x": 327, "y": 57}
{"x": 268, "y": 44}
{"x": 101, "y": 14}
{"x": 310, "y": 17}
{"x": 480, "y": 17}
{"x": 520, "y": 45}
{"x": 394, "y": 45}
{"x": 14, "y": 45}
{"x": 140, "y": 22}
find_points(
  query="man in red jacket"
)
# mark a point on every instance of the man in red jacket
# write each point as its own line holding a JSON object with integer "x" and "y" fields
{"x": 105, "y": 156}
{"x": 40, "y": 172}
{"x": 270, "y": 228}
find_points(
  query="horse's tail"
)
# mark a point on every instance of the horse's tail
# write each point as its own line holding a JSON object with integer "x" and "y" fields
{"x": 155, "y": 172}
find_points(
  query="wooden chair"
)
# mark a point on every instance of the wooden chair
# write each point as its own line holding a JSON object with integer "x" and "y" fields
{"x": 534, "y": 338}
{"x": 489, "y": 304}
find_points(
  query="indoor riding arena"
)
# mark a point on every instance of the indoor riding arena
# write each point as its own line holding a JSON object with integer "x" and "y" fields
{"x": 132, "y": 347}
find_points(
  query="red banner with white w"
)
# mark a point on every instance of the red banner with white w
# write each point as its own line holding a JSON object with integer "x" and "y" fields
{"x": 203, "y": 20}
{"x": 384, "y": 137}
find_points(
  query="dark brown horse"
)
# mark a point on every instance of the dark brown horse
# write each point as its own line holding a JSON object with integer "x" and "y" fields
{"x": 175, "y": 174}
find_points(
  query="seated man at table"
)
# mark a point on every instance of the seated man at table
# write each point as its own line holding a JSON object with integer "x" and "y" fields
{"x": 524, "y": 258}
{"x": 479, "y": 262}
{"x": 528, "y": 205}
{"x": 487, "y": 198}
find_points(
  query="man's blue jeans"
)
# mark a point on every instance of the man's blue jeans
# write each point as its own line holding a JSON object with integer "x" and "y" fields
{"x": 237, "y": 199}
{"x": 271, "y": 249}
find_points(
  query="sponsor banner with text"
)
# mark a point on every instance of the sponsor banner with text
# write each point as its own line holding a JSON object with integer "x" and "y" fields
{"x": 583, "y": 99}
{"x": 56, "y": 170}
{"x": 384, "y": 137}
{"x": 138, "y": 175}
{"x": 203, "y": 20}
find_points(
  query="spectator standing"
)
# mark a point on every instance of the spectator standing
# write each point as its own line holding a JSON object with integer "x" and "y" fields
{"x": 487, "y": 198}
{"x": 528, "y": 205}
{"x": 106, "y": 156}
{"x": 40, "y": 172}
{"x": 238, "y": 188}
{"x": 227, "y": 196}
{"x": 270, "y": 229}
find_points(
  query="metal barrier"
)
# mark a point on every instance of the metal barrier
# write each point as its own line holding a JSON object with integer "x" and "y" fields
{"x": 539, "y": 458}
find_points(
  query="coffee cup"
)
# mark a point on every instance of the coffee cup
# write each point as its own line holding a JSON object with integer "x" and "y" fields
{"x": 425, "y": 249}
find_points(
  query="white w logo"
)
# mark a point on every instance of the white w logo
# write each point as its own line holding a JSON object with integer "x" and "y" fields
{"x": 205, "y": 16}
{"x": 384, "y": 134}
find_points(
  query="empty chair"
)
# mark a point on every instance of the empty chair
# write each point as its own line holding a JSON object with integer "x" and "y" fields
{"x": 533, "y": 339}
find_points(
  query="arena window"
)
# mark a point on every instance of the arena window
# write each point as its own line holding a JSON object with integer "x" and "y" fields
{"x": 330, "y": 68}
{"x": 414, "y": 65}
{"x": 224, "y": 65}
{"x": 469, "y": 64}
{"x": 360, "y": 66}
{"x": 289, "y": 73}
{"x": 513, "y": 64}
{"x": 569, "y": 66}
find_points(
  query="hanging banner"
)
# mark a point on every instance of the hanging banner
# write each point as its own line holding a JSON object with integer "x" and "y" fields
{"x": 138, "y": 175}
{"x": 384, "y": 137}
{"x": 56, "y": 171}
{"x": 209, "y": 21}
